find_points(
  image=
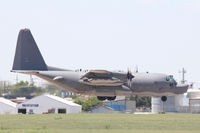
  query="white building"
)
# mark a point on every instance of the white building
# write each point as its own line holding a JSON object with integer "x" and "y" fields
{"x": 178, "y": 103}
{"x": 46, "y": 103}
{"x": 7, "y": 106}
{"x": 194, "y": 101}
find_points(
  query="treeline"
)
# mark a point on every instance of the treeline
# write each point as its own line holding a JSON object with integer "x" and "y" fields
{"x": 25, "y": 89}
{"x": 88, "y": 103}
{"x": 141, "y": 101}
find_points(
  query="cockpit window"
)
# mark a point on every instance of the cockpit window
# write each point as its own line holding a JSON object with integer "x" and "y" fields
{"x": 170, "y": 78}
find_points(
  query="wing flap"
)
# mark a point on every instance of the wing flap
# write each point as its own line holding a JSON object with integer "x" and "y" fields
{"x": 98, "y": 74}
{"x": 102, "y": 78}
{"x": 100, "y": 82}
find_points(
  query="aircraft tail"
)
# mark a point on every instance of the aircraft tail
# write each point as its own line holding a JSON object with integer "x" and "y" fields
{"x": 27, "y": 54}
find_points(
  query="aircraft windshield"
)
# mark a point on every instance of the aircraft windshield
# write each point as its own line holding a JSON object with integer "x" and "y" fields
{"x": 170, "y": 78}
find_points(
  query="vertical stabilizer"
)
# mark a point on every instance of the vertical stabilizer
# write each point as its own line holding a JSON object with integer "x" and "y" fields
{"x": 27, "y": 54}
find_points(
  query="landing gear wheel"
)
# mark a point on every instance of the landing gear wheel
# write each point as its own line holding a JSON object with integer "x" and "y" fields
{"x": 164, "y": 98}
{"x": 101, "y": 98}
{"x": 111, "y": 98}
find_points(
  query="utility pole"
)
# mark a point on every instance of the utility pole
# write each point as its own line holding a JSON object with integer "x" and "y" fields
{"x": 16, "y": 78}
{"x": 183, "y": 71}
{"x": 31, "y": 80}
{"x": 4, "y": 86}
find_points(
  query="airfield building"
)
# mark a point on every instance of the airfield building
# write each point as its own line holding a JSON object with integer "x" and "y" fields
{"x": 46, "y": 104}
{"x": 185, "y": 103}
{"x": 178, "y": 103}
{"x": 7, "y": 106}
{"x": 194, "y": 101}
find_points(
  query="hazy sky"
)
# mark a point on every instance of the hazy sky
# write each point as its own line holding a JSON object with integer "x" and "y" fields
{"x": 156, "y": 35}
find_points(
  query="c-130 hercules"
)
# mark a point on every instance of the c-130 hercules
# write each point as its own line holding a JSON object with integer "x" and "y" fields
{"x": 101, "y": 83}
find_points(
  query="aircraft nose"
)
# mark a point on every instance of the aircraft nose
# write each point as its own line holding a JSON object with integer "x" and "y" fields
{"x": 182, "y": 87}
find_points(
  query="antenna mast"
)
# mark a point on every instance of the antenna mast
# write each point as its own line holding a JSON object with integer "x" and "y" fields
{"x": 183, "y": 71}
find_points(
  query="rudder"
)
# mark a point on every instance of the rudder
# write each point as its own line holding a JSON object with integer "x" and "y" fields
{"x": 27, "y": 54}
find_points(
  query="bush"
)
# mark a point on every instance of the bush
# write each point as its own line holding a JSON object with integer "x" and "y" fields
{"x": 24, "y": 89}
{"x": 87, "y": 104}
{"x": 142, "y": 101}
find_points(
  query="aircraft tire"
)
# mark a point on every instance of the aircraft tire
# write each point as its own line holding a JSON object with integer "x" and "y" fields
{"x": 111, "y": 98}
{"x": 163, "y": 98}
{"x": 100, "y": 98}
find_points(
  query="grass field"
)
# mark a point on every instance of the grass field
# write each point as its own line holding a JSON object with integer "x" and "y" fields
{"x": 100, "y": 123}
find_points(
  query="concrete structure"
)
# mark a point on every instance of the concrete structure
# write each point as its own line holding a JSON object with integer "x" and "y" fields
{"x": 178, "y": 103}
{"x": 158, "y": 106}
{"x": 7, "y": 106}
{"x": 194, "y": 101}
{"x": 130, "y": 106}
{"x": 185, "y": 103}
{"x": 46, "y": 103}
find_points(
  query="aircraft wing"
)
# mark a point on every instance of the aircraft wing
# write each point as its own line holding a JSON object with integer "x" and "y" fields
{"x": 103, "y": 78}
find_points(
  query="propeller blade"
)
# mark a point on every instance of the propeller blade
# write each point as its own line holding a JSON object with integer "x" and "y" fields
{"x": 129, "y": 77}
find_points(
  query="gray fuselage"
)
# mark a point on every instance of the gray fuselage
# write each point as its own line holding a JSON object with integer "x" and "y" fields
{"x": 143, "y": 84}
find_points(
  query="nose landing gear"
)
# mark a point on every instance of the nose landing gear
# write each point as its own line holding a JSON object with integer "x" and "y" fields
{"x": 164, "y": 98}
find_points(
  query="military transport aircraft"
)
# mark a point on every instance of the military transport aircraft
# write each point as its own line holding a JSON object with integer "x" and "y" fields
{"x": 101, "y": 83}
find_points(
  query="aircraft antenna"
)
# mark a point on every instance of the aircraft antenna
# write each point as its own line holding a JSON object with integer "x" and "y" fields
{"x": 183, "y": 71}
{"x": 17, "y": 78}
{"x": 136, "y": 69}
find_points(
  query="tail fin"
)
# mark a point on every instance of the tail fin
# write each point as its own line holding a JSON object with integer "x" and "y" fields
{"x": 27, "y": 54}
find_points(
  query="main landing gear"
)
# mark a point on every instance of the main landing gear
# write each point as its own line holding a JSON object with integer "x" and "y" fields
{"x": 101, "y": 98}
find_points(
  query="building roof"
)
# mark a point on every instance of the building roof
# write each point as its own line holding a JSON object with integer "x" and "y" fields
{"x": 8, "y": 102}
{"x": 193, "y": 94}
{"x": 61, "y": 100}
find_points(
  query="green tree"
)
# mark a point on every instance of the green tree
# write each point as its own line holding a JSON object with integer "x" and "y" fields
{"x": 87, "y": 104}
{"x": 142, "y": 101}
{"x": 24, "y": 89}
{"x": 52, "y": 88}
{"x": 79, "y": 100}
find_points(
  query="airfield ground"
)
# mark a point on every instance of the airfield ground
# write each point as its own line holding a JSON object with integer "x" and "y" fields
{"x": 100, "y": 123}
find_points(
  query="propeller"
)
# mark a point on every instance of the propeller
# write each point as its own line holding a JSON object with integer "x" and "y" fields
{"x": 129, "y": 77}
